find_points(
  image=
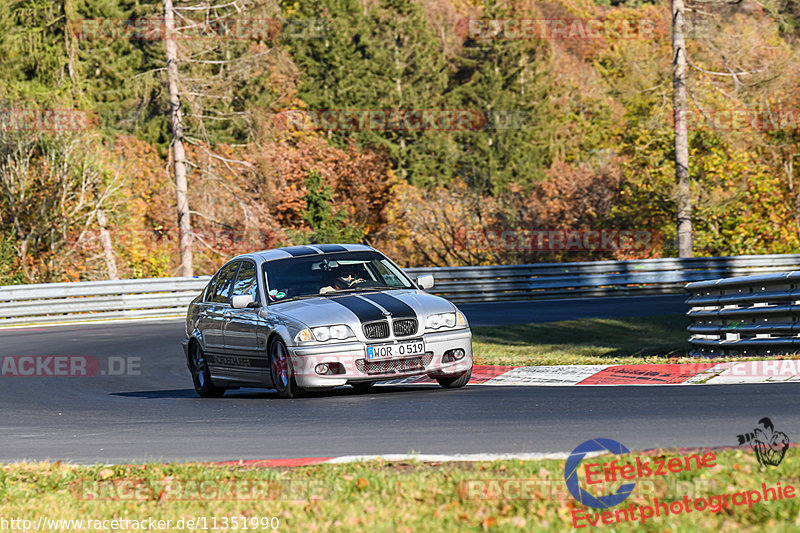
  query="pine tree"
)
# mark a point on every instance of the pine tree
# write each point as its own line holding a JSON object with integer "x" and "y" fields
{"x": 506, "y": 79}
{"x": 377, "y": 56}
{"x": 326, "y": 225}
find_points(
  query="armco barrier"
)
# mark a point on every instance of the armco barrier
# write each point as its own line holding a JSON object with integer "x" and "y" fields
{"x": 597, "y": 278}
{"x": 130, "y": 298}
{"x": 746, "y": 316}
{"x": 54, "y": 302}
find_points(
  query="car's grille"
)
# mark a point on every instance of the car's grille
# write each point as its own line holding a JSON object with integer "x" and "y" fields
{"x": 376, "y": 330}
{"x": 394, "y": 366}
{"x": 404, "y": 327}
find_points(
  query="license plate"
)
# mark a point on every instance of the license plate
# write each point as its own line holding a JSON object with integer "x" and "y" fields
{"x": 400, "y": 349}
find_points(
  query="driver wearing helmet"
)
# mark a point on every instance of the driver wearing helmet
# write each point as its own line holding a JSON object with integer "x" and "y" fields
{"x": 347, "y": 278}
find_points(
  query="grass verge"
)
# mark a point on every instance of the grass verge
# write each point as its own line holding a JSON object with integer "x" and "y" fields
{"x": 587, "y": 341}
{"x": 381, "y": 496}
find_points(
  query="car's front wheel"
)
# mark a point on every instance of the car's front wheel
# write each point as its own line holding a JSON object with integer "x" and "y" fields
{"x": 201, "y": 377}
{"x": 280, "y": 365}
{"x": 454, "y": 382}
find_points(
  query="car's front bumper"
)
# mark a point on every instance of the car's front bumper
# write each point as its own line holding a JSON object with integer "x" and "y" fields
{"x": 350, "y": 359}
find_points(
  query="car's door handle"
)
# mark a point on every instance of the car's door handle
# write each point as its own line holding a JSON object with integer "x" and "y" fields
{"x": 203, "y": 314}
{"x": 226, "y": 315}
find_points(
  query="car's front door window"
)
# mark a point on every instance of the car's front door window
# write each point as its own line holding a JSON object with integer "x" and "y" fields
{"x": 220, "y": 292}
{"x": 246, "y": 281}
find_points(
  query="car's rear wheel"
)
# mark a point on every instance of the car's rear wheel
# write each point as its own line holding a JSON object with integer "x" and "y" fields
{"x": 280, "y": 365}
{"x": 201, "y": 377}
{"x": 455, "y": 382}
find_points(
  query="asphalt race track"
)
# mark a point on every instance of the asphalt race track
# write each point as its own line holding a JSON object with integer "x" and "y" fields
{"x": 503, "y": 313}
{"x": 150, "y": 411}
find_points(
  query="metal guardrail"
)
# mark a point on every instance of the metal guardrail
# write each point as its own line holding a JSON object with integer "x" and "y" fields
{"x": 130, "y": 298}
{"x": 156, "y": 297}
{"x": 596, "y": 278}
{"x": 745, "y": 316}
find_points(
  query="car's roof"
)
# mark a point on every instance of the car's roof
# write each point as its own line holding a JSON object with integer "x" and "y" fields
{"x": 310, "y": 249}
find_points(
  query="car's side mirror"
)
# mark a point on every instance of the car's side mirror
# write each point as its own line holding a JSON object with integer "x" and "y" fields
{"x": 243, "y": 301}
{"x": 425, "y": 282}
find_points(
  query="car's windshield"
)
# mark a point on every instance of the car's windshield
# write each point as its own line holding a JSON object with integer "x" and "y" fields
{"x": 343, "y": 272}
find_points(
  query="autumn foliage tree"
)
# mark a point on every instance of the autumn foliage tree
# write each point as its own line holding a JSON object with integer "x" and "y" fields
{"x": 576, "y": 133}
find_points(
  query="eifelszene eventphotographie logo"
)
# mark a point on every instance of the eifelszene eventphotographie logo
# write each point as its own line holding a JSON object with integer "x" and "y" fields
{"x": 630, "y": 470}
{"x": 770, "y": 445}
{"x": 571, "y": 474}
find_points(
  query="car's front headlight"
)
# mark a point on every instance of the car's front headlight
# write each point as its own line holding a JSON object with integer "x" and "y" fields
{"x": 324, "y": 333}
{"x": 445, "y": 320}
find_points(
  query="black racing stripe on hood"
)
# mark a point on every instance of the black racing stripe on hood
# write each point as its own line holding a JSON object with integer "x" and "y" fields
{"x": 365, "y": 311}
{"x": 397, "y": 307}
{"x": 328, "y": 248}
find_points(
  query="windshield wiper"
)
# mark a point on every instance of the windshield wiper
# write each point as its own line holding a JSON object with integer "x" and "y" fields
{"x": 300, "y": 297}
{"x": 360, "y": 289}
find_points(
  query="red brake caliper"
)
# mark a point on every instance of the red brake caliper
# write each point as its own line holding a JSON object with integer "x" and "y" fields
{"x": 279, "y": 365}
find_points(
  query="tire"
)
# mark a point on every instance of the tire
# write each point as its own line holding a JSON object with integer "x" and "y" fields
{"x": 455, "y": 382}
{"x": 362, "y": 386}
{"x": 280, "y": 365}
{"x": 201, "y": 377}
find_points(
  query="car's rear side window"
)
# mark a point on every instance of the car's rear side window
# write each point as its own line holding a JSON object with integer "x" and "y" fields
{"x": 220, "y": 287}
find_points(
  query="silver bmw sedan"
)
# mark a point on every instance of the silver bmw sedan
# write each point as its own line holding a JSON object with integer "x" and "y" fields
{"x": 321, "y": 316}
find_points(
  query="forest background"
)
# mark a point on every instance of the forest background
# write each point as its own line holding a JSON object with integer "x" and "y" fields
{"x": 429, "y": 129}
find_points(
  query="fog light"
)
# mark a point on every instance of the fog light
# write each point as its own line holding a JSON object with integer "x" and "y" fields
{"x": 329, "y": 369}
{"x": 453, "y": 355}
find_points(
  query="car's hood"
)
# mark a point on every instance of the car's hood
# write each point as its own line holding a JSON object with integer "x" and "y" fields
{"x": 357, "y": 308}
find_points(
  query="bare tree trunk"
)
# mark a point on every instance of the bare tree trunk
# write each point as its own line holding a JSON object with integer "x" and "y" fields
{"x": 69, "y": 41}
{"x": 683, "y": 194}
{"x": 108, "y": 249}
{"x": 178, "y": 151}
